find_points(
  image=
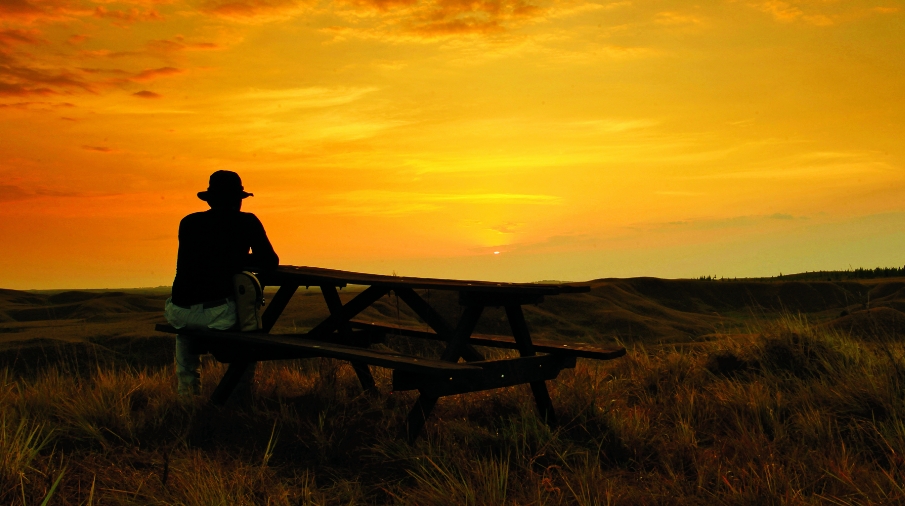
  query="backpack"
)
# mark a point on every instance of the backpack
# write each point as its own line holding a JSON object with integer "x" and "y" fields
{"x": 249, "y": 300}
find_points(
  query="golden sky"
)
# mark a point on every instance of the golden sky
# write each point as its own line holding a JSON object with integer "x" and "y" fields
{"x": 515, "y": 140}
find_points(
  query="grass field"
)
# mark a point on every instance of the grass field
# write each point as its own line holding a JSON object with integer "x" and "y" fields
{"x": 731, "y": 393}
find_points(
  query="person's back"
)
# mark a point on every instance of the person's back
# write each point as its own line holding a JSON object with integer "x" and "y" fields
{"x": 214, "y": 246}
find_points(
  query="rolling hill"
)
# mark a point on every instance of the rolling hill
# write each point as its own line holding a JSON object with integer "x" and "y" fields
{"x": 36, "y": 326}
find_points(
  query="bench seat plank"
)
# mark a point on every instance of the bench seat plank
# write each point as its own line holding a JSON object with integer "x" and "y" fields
{"x": 581, "y": 350}
{"x": 294, "y": 344}
{"x": 494, "y": 374}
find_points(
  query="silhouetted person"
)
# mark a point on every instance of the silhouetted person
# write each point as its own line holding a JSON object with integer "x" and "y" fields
{"x": 214, "y": 245}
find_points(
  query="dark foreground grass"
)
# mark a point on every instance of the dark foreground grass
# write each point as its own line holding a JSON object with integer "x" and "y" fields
{"x": 790, "y": 414}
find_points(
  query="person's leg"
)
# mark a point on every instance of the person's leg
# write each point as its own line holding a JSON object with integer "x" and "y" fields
{"x": 224, "y": 318}
{"x": 188, "y": 367}
{"x": 188, "y": 351}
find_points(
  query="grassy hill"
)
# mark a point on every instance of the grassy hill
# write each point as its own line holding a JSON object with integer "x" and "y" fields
{"x": 733, "y": 392}
{"x": 635, "y": 310}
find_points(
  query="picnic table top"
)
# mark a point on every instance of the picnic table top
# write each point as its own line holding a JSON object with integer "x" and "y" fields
{"x": 316, "y": 276}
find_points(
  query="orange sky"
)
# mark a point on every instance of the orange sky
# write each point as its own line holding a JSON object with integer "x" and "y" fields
{"x": 578, "y": 139}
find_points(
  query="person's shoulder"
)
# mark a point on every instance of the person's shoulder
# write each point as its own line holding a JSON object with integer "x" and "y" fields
{"x": 250, "y": 218}
{"x": 194, "y": 218}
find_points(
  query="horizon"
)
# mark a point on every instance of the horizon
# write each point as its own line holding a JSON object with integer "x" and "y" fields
{"x": 779, "y": 276}
{"x": 508, "y": 141}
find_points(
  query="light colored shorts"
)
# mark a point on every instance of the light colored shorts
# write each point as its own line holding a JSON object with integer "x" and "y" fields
{"x": 221, "y": 317}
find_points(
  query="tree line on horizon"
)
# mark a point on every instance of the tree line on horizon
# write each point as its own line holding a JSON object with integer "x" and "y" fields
{"x": 859, "y": 273}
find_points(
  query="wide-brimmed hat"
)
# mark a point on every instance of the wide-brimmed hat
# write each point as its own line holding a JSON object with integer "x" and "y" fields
{"x": 224, "y": 184}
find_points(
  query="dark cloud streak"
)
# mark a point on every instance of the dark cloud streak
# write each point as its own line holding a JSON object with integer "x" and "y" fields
{"x": 45, "y": 10}
{"x": 152, "y": 74}
{"x": 10, "y": 193}
{"x": 99, "y": 149}
{"x": 12, "y": 37}
{"x": 147, "y": 94}
{"x": 18, "y": 80}
{"x": 439, "y": 18}
{"x": 19, "y": 90}
{"x": 179, "y": 43}
{"x": 18, "y": 8}
{"x": 128, "y": 17}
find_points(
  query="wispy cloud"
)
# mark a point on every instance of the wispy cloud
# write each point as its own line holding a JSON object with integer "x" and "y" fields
{"x": 611, "y": 125}
{"x": 679, "y": 193}
{"x": 463, "y": 16}
{"x": 152, "y": 74}
{"x": 658, "y": 234}
{"x": 10, "y": 193}
{"x": 781, "y": 11}
{"x": 731, "y": 222}
{"x": 677, "y": 18}
{"x": 157, "y": 48}
{"x": 36, "y": 105}
{"x": 373, "y": 202}
{"x": 826, "y": 13}
{"x": 507, "y": 228}
{"x": 817, "y": 164}
{"x": 25, "y": 75}
{"x": 46, "y": 11}
{"x": 18, "y": 79}
{"x": 13, "y": 37}
{"x": 281, "y": 100}
{"x": 256, "y": 10}
{"x": 440, "y": 19}
{"x": 127, "y": 17}
{"x": 77, "y": 39}
{"x": 179, "y": 43}
{"x": 30, "y": 11}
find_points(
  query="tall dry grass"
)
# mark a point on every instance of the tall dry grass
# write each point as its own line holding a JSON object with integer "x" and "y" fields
{"x": 792, "y": 413}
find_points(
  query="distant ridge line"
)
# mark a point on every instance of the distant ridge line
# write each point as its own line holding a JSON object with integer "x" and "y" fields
{"x": 844, "y": 275}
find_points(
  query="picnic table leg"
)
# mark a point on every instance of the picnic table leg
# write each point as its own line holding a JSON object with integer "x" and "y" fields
{"x": 418, "y": 416}
{"x": 457, "y": 345}
{"x": 229, "y": 381}
{"x": 336, "y": 307}
{"x": 526, "y": 349}
{"x": 425, "y": 404}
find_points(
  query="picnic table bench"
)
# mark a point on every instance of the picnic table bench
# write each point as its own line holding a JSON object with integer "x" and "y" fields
{"x": 341, "y": 337}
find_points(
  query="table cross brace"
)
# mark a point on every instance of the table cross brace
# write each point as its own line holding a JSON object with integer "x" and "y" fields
{"x": 335, "y": 305}
{"x": 435, "y": 321}
{"x": 349, "y": 310}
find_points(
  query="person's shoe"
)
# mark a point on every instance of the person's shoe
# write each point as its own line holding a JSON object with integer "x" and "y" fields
{"x": 189, "y": 385}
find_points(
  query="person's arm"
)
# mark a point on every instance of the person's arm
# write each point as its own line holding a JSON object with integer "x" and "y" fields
{"x": 262, "y": 257}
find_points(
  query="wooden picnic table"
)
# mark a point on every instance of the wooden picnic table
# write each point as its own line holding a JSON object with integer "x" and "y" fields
{"x": 339, "y": 336}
